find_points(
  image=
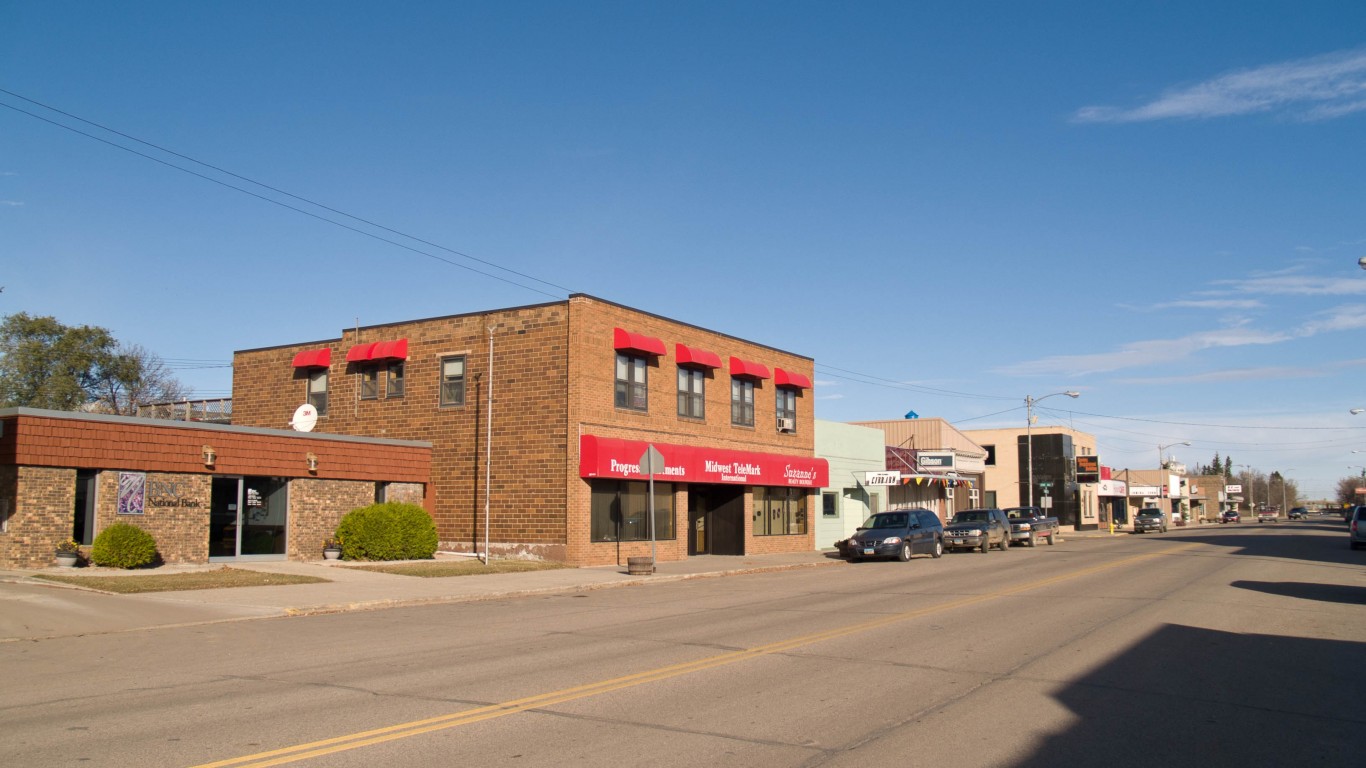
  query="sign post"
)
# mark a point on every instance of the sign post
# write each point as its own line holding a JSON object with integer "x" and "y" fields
{"x": 650, "y": 462}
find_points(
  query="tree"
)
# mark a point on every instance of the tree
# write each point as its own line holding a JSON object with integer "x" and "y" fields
{"x": 45, "y": 364}
{"x": 136, "y": 377}
{"x": 1228, "y": 466}
{"x": 1347, "y": 488}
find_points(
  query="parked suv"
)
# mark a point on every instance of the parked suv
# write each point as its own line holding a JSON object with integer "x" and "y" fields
{"x": 1230, "y": 517}
{"x": 979, "y": 529}
{"x": 899, "y": 533}
{"x": 1356, "y": 529}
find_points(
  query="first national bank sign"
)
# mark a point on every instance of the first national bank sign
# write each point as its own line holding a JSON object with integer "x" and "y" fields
{"x": 610, "y": 457}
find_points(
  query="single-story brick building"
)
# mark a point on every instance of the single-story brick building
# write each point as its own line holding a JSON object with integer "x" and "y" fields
{"x": 206, "y": 492}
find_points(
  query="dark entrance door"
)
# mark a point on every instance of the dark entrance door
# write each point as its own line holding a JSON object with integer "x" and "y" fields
{"x": 248, "y": 518}
{"x": 716, "y": 520}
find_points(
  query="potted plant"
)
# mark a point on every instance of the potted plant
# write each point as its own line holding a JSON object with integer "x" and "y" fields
{"x": 332, "y": 548}
{"x": 68, "y": 553}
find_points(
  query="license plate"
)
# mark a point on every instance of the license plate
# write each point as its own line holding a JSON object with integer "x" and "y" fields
{"x": 868, "y": 551}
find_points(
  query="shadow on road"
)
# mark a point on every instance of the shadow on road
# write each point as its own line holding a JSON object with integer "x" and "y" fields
{"x": 1191, "y": 696}
{"x": 1294, "y": 541}
{"x": 1328, "y": 593}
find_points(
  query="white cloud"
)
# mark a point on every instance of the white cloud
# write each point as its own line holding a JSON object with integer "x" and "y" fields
{"x": 12, "y": 203}
{"x": 1210, "y": 304}
{"x": 1140, "y": 354}
{"x": 1299, "y": 285}
{"x": 1317, "y": 88}
{"x": 1349, "y": 317}
{"x": 1231, "y": 374}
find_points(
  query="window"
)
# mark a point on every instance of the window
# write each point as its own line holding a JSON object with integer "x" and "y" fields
{"x": 369, "y": 382}
{"x": 991, "y": 455}
{"x": 620, "y": 511}
{"x": 787, "y": 409}
{"x": 317, "y": 390}
{"x": 830, "y": 504}
{"x": 395, "y": 384}
{"x": 742, "y": 402}
{"x": 779, "y": 511}
{"x": 83, "y": 526}
{"x": 691, "y": 388}
{"x": 453, "y": 380}
{"x": 631, "y": 389}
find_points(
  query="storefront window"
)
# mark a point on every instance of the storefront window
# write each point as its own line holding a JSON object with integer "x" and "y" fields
{"x": 620, "y": 511}
{"x": 779, "y": 511}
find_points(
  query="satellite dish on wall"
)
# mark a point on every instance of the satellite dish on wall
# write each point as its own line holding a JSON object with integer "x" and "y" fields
{"x": 305, "y": 418}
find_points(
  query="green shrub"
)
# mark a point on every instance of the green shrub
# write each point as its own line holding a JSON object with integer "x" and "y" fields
{"x": 123, "y": 546}
{"x": 387, "y": 531}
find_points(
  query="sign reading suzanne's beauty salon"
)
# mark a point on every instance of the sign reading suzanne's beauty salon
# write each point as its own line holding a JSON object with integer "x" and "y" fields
{"x": 611, "y": 457}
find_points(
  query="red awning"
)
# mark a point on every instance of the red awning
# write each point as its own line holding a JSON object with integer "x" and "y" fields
{"x": 785, "y": 379}
{"x": 699, "y": 357}
{"x": 740, "y": 367}
{"x": 378, "y": 350}
{"x": 637, "y": 342}
{"x": 314, "y": 358}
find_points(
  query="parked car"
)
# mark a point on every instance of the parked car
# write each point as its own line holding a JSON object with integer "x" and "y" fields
{"x": 1029, "y": 524}
{"x": 979, "y": 529}
{"x": 1150, "y": 519}
{"x": 1356, "y": 530}
{"x": 1297, "y": 513}
{"x": 899, "y": 533}
{"x": 1230, "y": 517}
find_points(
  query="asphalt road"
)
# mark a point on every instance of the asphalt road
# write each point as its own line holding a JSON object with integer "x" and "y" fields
{"x": 1236, "y": 645}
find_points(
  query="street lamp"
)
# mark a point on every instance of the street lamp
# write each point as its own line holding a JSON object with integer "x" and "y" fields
{"x": 1357, "y": 411}
{"x": 1162, "y": 481}
{"x": 1029, "y": 436}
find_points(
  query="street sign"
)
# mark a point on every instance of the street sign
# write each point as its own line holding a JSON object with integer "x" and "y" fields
{"x": 651, "y": 461}
{"x": 882, "y": 478}
{"x": 1046, "y": 502}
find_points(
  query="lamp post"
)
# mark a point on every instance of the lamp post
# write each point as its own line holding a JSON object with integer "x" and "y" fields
{"x": 1252, "y": 488}
{"x": 1161, "y": 480}
{"x": 1029, "y": 436}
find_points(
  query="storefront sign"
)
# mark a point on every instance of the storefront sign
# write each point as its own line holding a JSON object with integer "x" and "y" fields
{"x": 132, "y": 492}
{"x": 1144, "y": 490}
{"x": 882, "y": 478}
{"x": 1233, "y": 488}
{"x": 611, "y": 457}
{"x": 1088, "y": 469}
{"x": 1112, "y": 488}
{"x": 934, "y": 460}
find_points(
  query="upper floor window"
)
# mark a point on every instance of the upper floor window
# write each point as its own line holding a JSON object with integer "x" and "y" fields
{"x": 691, "y": 388}
{"x": 317, "y": 390}
{"x": 631, "y": 389}
{"x": 369, "y": 382}
{"x": 395, "y": 383}
{"x": 742, "y": 402}
{"x": 786, "y": 400}
{"x": 453, "y": 380}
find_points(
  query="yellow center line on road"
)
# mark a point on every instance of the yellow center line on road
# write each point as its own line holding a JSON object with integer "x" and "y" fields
{"x": 466, "y": 717}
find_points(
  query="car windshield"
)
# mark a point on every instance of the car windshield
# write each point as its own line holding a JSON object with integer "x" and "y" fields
{"x": 886, "y": 520}
{"x": 971, "y": 517}
{"x": 1018, "y": 512}
{"x": 1150, "y": 513}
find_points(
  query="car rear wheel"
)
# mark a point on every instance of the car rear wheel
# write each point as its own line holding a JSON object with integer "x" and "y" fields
{"x": 938, "y": 550}
{"x": 1005, "y": 542}
{"x": 905, "y": 554}
{"x": 1031, "y": 541}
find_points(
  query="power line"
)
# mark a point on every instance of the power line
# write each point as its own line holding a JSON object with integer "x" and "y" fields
{"x": 267, "y": 199}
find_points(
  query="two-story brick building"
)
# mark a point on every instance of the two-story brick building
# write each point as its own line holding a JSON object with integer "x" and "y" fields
{"x": 538, "y": 417}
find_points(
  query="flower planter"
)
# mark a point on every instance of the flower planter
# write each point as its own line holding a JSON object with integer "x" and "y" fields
{"x": 67, "y": 559}
{"x": 332, "y": 553}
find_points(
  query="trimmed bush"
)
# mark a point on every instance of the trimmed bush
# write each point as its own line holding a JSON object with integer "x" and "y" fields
{"x": 388, "y": 531}
{"x": 123, "y": 546}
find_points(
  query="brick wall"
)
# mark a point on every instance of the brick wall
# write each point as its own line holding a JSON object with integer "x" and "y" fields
{"x": 45, "y": 499}
{"x": 315, "y": 509}
{"x": 553, "y": 381}
{"x": 529, "y": 437}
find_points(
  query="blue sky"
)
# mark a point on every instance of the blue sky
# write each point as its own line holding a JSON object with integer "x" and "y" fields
{"x": 949, "y": 206}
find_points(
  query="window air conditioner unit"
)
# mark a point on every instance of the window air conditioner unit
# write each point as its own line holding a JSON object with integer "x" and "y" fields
{"x": 787, "y": 425}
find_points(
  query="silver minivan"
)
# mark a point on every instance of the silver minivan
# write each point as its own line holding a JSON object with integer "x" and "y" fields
{"x": 1356, "y": 527}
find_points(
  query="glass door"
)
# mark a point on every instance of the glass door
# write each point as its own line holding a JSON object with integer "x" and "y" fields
{"x": 248, "y": 518}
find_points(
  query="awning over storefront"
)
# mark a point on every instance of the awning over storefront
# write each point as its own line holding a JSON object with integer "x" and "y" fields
{"x": 378, "y": 350}
{"x": 613, "y": 457}
{"x": 787, "y": 379}
{"x": 746, "y": 368}
{"x": 314, "y": 358}
{"x": 693, "y": 356}
{"x": 636, "y": 342}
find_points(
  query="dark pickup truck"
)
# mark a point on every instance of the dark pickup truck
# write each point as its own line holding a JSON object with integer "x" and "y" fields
{"x": 1029, "y": 524}
{"x": 979, "y": 529}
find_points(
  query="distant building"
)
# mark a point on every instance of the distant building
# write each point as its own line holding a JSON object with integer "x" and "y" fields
{"x": 1055, "y": 452}
{"x": 852, "y": 453}
{"x": 935, "y": 466}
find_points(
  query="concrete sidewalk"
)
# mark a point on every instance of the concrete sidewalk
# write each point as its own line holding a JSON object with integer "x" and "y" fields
{"x": 33, "y": 609}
